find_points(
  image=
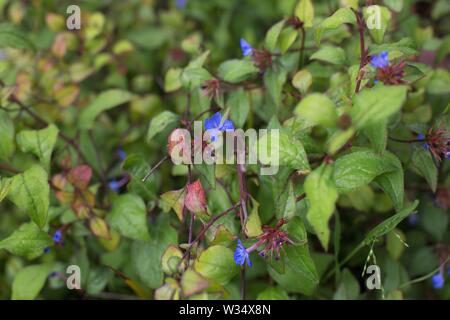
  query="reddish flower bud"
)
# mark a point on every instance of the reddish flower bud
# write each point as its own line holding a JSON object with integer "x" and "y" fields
{"x": 195, "y": 199}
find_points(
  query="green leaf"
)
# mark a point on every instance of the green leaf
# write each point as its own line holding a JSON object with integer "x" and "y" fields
{"x": 302, "y": 81}
{"x": 317, "y": 109}
{"x": 359, "y": 168}
{"x": 12, "y": 36}
{"x": 377, "y": 104}
{"x": 305, "y": 12}
{"x": 272, "y": 36}
{"x": 330, "y": 54}
{"x": 434, "y": 221}
{"x": 208, "y": 171}
{"x": 287, "y": 39}
{"x": 104, "y": 101}
{"x": 400, "y": 49}
{"x": 274, "y": 81}
{"x": 236, "y": 70}
{"x": 160, "y": 122}
{"x": 300, "y": 274}
{"x": 394, "y": 245}
{"x": 341, "y": 16}
{"x": 392, "y": 182}
{"x": 129, "y": 217}
{"x": 322, "y": 196}
{"x": 39, "y": 142}
{"x": 217, "y": 263}
{"x": 253, "y": 224}
{"x": 273, "y": 293}
{"x": 389, "y": 224}
{"x": 146, "y": 256}
{"x": 30, "y": 192}
{"x": 194, "y": 77}
{"x": 28, "y": 241}
{"x": 172, "y": 80}
{"x": 395, "y": 5}
{"x": 348, "y": 288}
{"x": 29, "y": 281}
{"x": 174, "y": 199}
{"x": 424, "y": 164}
{"x": 5, "y": 185}
{"x": 290, "y": 150}
{"x": 6, "y": 135}
{"x": 239, "y": 105}
{"x": 377, "y": 134}
{"x": 377, "y": 20}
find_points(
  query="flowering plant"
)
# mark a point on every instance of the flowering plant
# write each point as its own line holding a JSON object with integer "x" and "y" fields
{"x": 117, "y": 143}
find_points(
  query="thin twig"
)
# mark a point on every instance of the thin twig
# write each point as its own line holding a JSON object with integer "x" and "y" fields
{"x": 154, "y": 168}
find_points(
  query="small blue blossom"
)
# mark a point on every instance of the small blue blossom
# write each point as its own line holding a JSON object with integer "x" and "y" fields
{"x": 114, "y": 185}
{"x": 180, "y": 4}
{"x": 413, "y": 219}
{"x": 215, "y": 125}
{"x": 380, "y": 61}
{"x": 438, "y": 281}
{"x": 122, "y": 154}
{"x": 448, "y": 271}
{"x": 421, "y": 136}
{"x": 246, "y": 48}
{"x": 447, "y": 155}
{"x": 53, "y": 274}
{"x": 47, "y": 250}
{"x": 241, "y": 255}
{"x": 57, "y": 236}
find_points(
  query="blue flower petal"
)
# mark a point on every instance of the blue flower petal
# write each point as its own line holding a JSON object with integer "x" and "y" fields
{"x": 421, "y": 136}
{"x": 227, "y": 126}
{"x": 381, "y": 60}
{"x": 47, "y": 250}
{"x": 114, "y": 185}
{"x": 213, "y": 122}
{"x": 246, "y": 48}
{"x": 241, "y": 255}
{"x": 57, "y": 236}
{"x": 438, "y": 281}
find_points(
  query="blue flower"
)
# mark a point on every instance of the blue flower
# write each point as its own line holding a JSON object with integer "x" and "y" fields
{"x": 122, "y": 154}
{"x": 246, "y": 48}
{"x": 47, "y": 250}
{"x": 114, "y": 185}
{"x": 241, "y": 255}
{"x": 180, "y": 4}
{"x": 215, "y": 125}
{"x": 438, "y": 281}
{"x": 447, "y": 155}
{"x": 413, "y": 218}
{"x": 380, "y": 61}
{"x": 421, "y": 136}
{"x": 448, "y": 271}
{"x": 57, "y": 236}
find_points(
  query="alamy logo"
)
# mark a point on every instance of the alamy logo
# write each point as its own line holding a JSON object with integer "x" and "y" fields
{"x": 73, "y": 21}
{"x": 374, "y": 280}
{"x": 236, "y": 146}
{"x": 73, "y": 281}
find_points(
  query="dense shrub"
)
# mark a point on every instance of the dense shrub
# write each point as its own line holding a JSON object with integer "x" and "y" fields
{"x": 88, "y": 118}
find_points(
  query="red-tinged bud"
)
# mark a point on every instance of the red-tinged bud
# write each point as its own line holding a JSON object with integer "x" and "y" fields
{"x": 262, "y": 59}
{"x": 211, "y": 88}
{"x": 80, "y": 176}
{"x": 195, "y": 199}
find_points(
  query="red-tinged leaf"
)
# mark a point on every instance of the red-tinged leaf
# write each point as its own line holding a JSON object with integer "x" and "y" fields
{"x": 195, "y": 198}
{"x": 80, "y": 176}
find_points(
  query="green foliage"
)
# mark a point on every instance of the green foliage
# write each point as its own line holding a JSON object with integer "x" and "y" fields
{"x": 362, "y": 177}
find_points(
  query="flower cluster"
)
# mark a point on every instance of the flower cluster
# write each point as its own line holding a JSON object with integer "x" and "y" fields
{"x": 386, "y": 72}
{"x": 261, "y": 58}
{"x": 273, "y": 239}
{"x": 437, "y": 141}
{"x": 57, "y": 240}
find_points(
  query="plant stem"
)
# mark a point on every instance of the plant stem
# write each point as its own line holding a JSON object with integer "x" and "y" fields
{"x": 360, "y": 21}
{"x": 302, "y": 48}
{"x": 207, "y": 226}
{"x": 160, "y": 162}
